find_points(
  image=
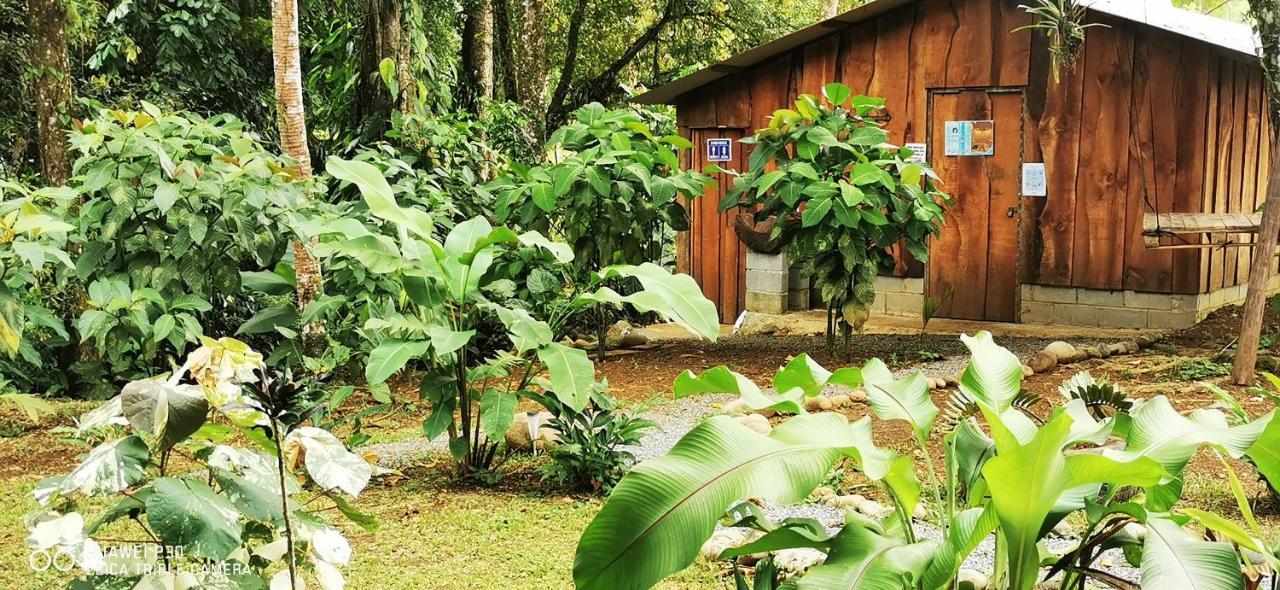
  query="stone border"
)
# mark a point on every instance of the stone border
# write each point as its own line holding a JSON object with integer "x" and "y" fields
{"x": 1041, "y": 304}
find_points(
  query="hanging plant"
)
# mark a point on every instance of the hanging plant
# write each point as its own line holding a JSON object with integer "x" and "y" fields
{"x": 1062, "y": 21}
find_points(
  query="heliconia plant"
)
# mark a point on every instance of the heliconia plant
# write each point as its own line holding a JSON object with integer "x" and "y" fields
{"x": 440, "y": 296}
{"x": 1005, "y": 474}
{"x": 213, "y": 513}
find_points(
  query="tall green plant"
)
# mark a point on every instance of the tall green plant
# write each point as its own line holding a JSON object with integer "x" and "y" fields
{"x": 1005, "y": 475}
{"x": 445, "y": 295}
{"x": 230, "y": 516}
{"x": 843, "y": 196}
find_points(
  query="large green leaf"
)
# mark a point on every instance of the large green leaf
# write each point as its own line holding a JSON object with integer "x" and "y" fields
{"x": 968, "y": 529}
{"x": 1158, "y": 431}
{"x": 188, "y": 514}
{"x": 525, "y": 332}
{"x": 1173, "y": 559}
{"x": 390, "y": 356}
{"x": 268, "y": 319}
{"x": 497, "y": 412}
{"x": 906, "y": 399}
{"x": 1265, "y": 454}
{"x": 165, "y": 410}
{"x": 378, "y": 195}
{"x": 993, "y": 375}
{"x": 864, "y": 557}
{"x": 675, "y": 297}
{"x": 571, "y": 373}
{"x": 722, "y": 380}
{"x": 665, "y": 509}
{"x": 110, "y": 468}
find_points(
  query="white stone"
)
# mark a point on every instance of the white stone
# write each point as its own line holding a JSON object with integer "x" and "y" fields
{"x": 755, "y": 422}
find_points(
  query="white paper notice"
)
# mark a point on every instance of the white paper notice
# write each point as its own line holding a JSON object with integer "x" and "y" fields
{"x": 1034, "y": 183}
{"x": 919, "y": 152}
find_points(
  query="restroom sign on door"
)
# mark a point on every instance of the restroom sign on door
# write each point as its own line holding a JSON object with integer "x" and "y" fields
{"x": 719, "y": 150}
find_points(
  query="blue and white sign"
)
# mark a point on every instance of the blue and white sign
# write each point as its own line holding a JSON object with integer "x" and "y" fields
{"x": 719, "y": 150}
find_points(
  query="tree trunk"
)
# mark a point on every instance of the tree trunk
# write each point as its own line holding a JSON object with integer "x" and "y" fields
{"x": 531, "y": 58}
{"x": 1266, "y": 17}
{"x": 830, "y": 8}
{"x": 477, "y": 55}
{"x": 291, "y": 118}
{"x": 51, "y": 86}
{"x": 503, "y": 50}
{"x": 380, "y": 41}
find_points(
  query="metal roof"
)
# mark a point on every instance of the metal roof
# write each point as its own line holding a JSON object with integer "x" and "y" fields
{"x": 1233, "y": 36}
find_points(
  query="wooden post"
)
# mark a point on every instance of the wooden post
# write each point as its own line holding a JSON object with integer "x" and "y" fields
{"x": 1266, "y": 20}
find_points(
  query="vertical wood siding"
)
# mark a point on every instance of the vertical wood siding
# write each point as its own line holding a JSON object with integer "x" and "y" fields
{"x": 1147, "y": 121}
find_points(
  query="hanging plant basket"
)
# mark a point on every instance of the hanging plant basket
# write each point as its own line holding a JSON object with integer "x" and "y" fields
{"x": 757, "y": 235}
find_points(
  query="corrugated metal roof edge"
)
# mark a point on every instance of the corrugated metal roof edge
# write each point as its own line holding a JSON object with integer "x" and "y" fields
{"x": 669, "y": 92}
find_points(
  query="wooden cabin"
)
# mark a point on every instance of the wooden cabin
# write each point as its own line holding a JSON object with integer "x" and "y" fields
{"x": 1164, "y": 113}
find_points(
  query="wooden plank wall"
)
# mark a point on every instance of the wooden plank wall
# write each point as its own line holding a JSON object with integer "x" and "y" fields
{"x": 1148, "y": 121}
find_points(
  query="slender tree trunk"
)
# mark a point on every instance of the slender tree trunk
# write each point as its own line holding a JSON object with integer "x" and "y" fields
{"x": 291, "y": 118}
{"x": 381, "y": 41}
{"x": 503, "y": 51}
{"x": 477, "y": 55}
{"x": 531, "y": 58}
{"x": 830, "y": 8}
{"x": 50, "y": 86}
{"x": 408, "y": 99}
{"x": 1266, "y": 17}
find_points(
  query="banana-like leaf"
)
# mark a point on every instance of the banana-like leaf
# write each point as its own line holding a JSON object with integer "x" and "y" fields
{"x": 1265, "y": 454}
{"x": 664, "y": 510}
{"x": 571, "y": 373}
{"x": 1173, "y": 559}
{"x": 378, "y": 195}
{"x": 864, "y": 557}
{"x": 803, "y": 373}
{"x": 675, "y": 297}
{"x": 968, "y": 529}
{"x": 391, "y": 356}
{"x": 993, "y": 375}
{"x": 722, "y": 380}
{"x": 1027, "y": 484}
{"x": 906, "y": 399}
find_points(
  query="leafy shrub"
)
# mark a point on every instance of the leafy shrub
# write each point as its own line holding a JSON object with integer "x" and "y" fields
{"x": 612, "y": 189}
{"x": 1018, "y": 481}
{"x": 33, "y": 242}
{"x": 843, "y": 196}
{"x": 588, "y": 456}
{"x": 174, "y": 207}
{"x": 241, "y": 509}
{"x": 442, "y": 298}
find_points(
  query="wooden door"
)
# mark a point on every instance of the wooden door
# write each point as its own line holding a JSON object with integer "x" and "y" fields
{"x": 716, "y": 259}
{"x": 972, "y": 265}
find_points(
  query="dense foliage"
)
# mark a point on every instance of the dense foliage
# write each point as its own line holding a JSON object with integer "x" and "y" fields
{"x": 1007, "y": 472}
{"x": 229, "y": 516}
{"x": 844, "y": 196}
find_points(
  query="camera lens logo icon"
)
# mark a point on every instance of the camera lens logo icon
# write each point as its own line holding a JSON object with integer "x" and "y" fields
{"x": 42, "y": 560}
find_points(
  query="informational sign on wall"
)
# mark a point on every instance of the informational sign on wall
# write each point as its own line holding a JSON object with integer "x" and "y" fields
{"x": 719, "y": 150}
{"x": 1035, "y": 183}
{"x": 919, "y": 152}
{"x": 971, "y": 138}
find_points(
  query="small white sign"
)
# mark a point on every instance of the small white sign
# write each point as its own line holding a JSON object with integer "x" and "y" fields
{"x": 919, "y": 152}
{"x": 1034, "y": 181}
{"x": 719, "y": 150}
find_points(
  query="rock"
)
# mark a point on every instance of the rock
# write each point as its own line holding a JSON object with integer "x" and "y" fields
{"x": 850, "y": 501}
{"x": 735, "y": 407}
{"x": 633, "y": 338}
{"x": 1064, "y": 530}
{"x": 517, "y": 436}
{"x": 797, "y": 561}
{"x": 818, "y": 403}
{"x": 726, "y": 538}
{"x": 1063, "y": 352}
{"x": 1132, "y": 347}
{"x": 620, "y": 328}
{"x": 1143, "y": 341}
{"x": 840, "y": 400}
{"x": 1043, "y": 361}
{"x": 1027, "y": 371}
{"x": 921, "y": 513}
{"x": 823, "y": 492}
{"x": 1135, "y": 530}
{"x": 874, "y": 509}
{"x": 583, "y": 344}
{"x": 858, "y": 395}
{"x": 769, "y": 324}
{"x": 1090, "y": 352}
{"x": 1117, "y": 348}
{"x": 567, "y": 341}
{"x": 755, "y": 422}
{"x": 969, "y": 579}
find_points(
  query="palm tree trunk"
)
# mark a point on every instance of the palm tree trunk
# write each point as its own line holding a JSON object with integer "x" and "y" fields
{"x": 50, "y": 86}
{"x": 291, "y": 118}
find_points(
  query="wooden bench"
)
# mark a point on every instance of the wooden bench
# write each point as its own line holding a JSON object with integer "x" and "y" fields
{"x": 1220, "y": 229}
